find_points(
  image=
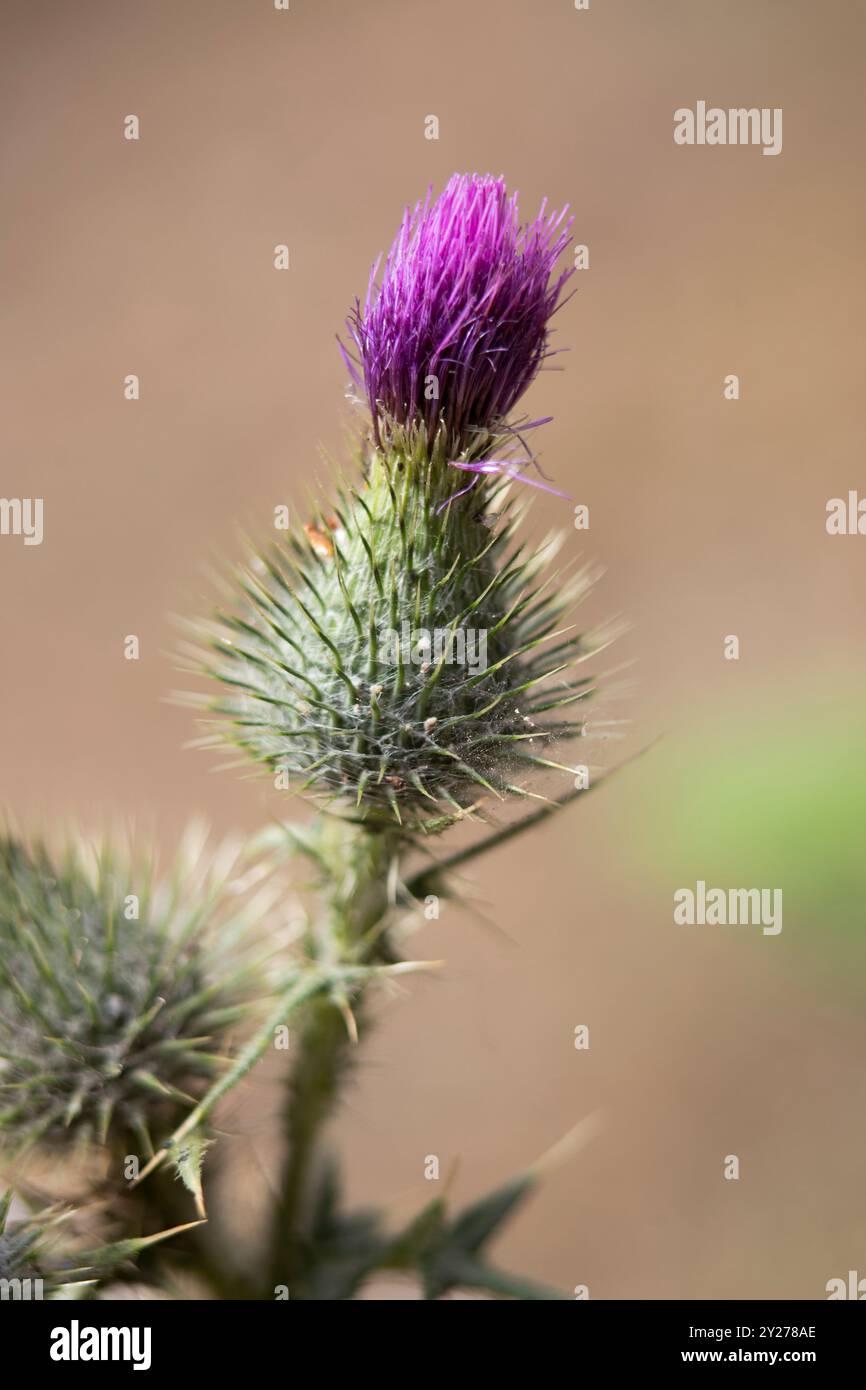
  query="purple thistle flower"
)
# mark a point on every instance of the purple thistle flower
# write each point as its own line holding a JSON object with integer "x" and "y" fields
{"x": 464, "y": 298}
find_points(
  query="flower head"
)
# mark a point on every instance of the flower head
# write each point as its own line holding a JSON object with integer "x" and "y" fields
{"x": 457, "y": 328}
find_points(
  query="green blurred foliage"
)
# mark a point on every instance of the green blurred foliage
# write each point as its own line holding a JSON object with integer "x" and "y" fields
{"x": 771, "y": 795}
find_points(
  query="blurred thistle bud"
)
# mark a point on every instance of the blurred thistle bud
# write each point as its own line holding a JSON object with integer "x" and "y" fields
{"x": 118, "y": 989}
{"x": 399, "y": 651}
{"x": 38, "y": 1259}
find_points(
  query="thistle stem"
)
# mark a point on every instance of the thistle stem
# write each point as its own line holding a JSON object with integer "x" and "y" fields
{"x": 354, "y": 882}
{"x": 321, "y": 1062}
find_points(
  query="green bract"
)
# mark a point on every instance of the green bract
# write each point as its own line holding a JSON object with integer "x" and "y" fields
{"x": 400, "y": 651}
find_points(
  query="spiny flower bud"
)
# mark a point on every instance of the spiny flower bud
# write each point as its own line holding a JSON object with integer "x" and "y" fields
{"x": 116, "y": 988}
{"x": 27, "y": 1269}
{"x": 36, "y": 1264}
{"x": 398, "y": 651}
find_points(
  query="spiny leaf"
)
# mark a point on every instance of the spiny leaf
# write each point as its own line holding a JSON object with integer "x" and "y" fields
{"x": 480, "y": 1221}
{"x": 188, "y": 1157}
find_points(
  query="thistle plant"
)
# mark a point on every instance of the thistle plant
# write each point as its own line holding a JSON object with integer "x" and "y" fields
{"x": 314, "y": 683}
{"x": 401, "y": 660}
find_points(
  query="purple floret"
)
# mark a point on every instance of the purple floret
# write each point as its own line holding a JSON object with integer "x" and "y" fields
{"x": 465, "y": 296}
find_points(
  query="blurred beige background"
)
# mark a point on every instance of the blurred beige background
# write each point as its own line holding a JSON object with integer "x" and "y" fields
{"x": 155, "y": 258}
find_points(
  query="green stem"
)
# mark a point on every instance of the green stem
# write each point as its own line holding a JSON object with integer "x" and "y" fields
{"x": 355, "y": 885}
{"x": 321, "y": 1063}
